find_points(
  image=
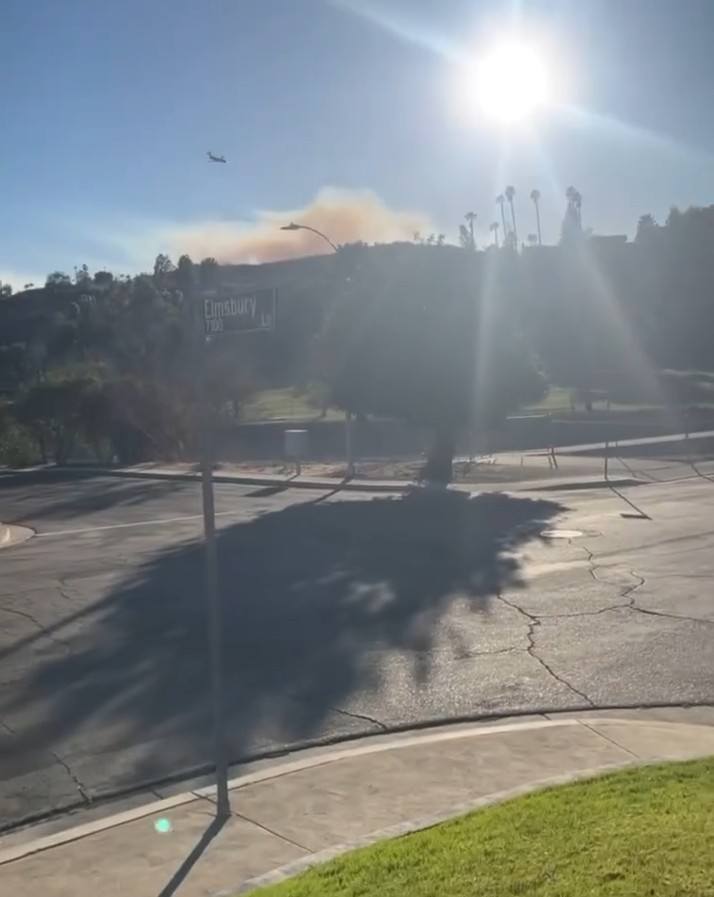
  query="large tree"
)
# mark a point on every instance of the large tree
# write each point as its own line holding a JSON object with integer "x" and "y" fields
{"x": 58, "y": 279}
{"x": 429, "y": 335}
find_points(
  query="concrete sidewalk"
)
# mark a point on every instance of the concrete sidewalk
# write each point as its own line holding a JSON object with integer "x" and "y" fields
{"x": 315, "y": 804}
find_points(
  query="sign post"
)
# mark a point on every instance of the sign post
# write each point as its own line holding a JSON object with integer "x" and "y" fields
{"x": 225, "y": 311}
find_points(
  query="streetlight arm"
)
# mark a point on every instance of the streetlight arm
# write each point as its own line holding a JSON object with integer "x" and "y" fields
{"x": 314, "y": 230}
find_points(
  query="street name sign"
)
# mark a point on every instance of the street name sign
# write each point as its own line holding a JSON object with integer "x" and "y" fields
{"x": 234, "y": 311}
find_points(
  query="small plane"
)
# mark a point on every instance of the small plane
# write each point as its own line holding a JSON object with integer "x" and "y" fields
{"x": 213, "y": 158}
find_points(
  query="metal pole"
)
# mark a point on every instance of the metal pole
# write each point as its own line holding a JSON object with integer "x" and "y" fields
{"x": 215, "y": 622}
{"x": 686, "y": 438}
{"x": 348, "y": 445}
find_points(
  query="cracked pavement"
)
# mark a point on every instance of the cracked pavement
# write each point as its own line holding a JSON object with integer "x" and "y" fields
{"x": 345, "y": 614}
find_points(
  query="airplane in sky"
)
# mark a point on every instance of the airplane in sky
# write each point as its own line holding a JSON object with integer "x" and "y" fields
{"x": 213, "y": 158}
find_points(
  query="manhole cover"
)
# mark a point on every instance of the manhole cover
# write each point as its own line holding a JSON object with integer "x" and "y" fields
{"x": 562, "y": 533}
{"x": 13, "y": 535}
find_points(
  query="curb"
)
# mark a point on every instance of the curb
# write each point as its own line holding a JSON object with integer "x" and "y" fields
{"x": 345, "y": 485}
{"x": 283, "y": 483}
{"x": 610, "y": 483}
{"x": 390, "y": 486}
{"x": 368, "y": 745}
{"x": 237, "y": 479}
{"x": 194, "y": 778}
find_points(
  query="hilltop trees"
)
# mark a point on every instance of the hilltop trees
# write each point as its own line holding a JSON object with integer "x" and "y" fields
{"x": 647, "y": 227}
{"x": 58, "y": 279}
{"x": 117, "y": 368}
{"x": 423, "y": 332}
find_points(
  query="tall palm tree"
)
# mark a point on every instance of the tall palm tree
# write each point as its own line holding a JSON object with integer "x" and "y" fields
{"x": 470, "y": 218}
{"x": 501, "y": 200}
{"x": 575, "y": 201}
{"x": 494, "y": 229}
{"x": 510, "y": 193}
{"x": 535, "y": 196}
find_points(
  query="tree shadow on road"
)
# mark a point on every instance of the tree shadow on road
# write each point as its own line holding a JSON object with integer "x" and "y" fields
{"x": 33, "y": 495}
{"x": 312, "y": 595}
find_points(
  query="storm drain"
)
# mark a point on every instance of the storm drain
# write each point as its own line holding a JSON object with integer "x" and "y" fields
{"x": 564, "y": 534}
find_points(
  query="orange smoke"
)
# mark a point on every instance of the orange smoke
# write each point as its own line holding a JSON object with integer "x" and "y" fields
{"x": 345, "y": 216}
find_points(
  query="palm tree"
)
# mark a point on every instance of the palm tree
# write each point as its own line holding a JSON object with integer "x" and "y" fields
{"x": 535, "y": 196}
{"x": 501, "y": 199}
{"x": 494, "y": 229}
{"x": 575, "y": 201}
{"x": 510, "y": 193}
{"x": 471, "y": 217}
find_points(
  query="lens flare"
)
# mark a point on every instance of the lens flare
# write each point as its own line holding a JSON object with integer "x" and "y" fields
{"x": 510, "y": 83}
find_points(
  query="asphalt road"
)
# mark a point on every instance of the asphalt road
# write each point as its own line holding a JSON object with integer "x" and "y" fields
{"x": 344, "y": 614}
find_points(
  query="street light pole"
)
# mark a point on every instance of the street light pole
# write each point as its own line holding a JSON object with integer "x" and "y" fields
{"x": 214, "y": 610}
{"x": 215, "y": 626}
{"x": 313, "y": 230}
{"x": 349, "y": 451}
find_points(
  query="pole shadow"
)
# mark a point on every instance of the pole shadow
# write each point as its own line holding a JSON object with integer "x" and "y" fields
{"x": 180, "y": 875}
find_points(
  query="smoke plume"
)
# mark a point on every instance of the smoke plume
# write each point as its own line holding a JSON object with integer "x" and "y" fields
{"x": 345, "y": 216}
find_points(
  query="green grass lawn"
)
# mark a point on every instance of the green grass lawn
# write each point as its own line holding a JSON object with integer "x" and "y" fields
{"x": 296, "y": 403}
{"x": 648, "y": 831}
{"x": 287, "y": 403}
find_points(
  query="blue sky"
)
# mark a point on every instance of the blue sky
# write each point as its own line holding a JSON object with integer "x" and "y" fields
{"x": 348, "y": 114}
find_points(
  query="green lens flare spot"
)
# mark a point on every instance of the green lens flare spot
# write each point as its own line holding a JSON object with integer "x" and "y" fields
{"x": 162, "y": 826}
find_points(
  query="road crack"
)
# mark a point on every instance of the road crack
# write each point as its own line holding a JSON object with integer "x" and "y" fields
{"x": 534, "y": 623}
{"x": 628, "y": 593}
{"x": 35, "y": 622}
{"x": 66, "y": 767}
{"x": 635, "y": 608}
{"x": 361, "y": 716}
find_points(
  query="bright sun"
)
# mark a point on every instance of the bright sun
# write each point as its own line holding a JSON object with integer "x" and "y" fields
{"x": 511, "y": 82}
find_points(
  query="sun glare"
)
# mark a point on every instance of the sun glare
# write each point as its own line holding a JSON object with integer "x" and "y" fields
{"x": 511, "y": 83}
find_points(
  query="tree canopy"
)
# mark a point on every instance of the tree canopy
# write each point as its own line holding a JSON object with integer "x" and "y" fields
{"x": 431, "y": 335}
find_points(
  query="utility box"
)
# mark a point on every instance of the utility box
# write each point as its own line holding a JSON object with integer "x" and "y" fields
{"x": 295, "y": 446}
